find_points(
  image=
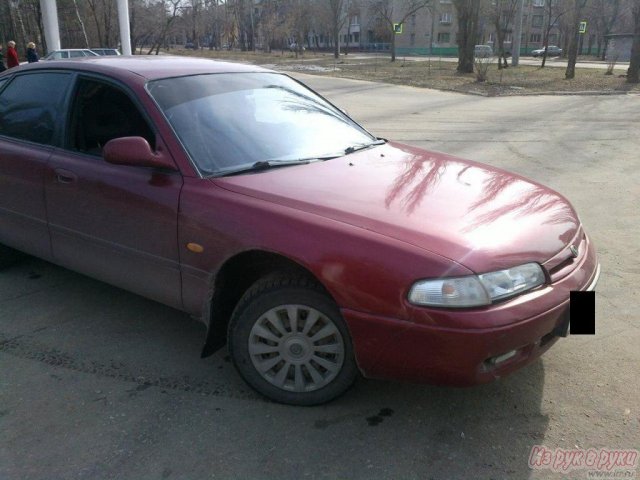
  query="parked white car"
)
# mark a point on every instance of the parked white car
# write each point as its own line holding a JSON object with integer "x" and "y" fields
{"x": 67, "y": 53}
{"x": 483, "y": 51}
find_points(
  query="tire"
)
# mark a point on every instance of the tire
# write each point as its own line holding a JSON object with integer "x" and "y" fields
{"x": 308, "y": 361}
{"x": 9, "y": 256}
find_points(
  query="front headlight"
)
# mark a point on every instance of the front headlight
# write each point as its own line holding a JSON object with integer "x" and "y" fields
{"x": 477, "y": 290}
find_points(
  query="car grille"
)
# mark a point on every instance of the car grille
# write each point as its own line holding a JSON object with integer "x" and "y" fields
{"x": 564, "y": 262}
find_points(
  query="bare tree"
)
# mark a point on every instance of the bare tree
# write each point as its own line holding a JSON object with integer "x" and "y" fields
{"x": 502, "y": 13}
{"x": 169, "y": 14}
{"x": 554, "y": 10}
{"x": 79, "y": 17}
{"x": 390, "y": 12}
{"x": 103, "y": 13}
{"x": 605, "y": 14}
{"x": 338, "y": 15}
{"x": 634, "y": 66}
{"x": 468, "y": 26}
{"x": 577, "y": 7}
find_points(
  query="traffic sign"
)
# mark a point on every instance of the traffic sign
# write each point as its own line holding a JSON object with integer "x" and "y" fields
{"x": 397, "y": 28}
{"x": 583, "y": 27}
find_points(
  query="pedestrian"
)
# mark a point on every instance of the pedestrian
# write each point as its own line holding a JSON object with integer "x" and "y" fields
{"x": 2, "y": 66}
{"x": 12, "y": 55}
{"x": 32, "y": 55}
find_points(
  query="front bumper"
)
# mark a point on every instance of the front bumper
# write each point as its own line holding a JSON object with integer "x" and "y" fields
{"x": 425, "y": 350}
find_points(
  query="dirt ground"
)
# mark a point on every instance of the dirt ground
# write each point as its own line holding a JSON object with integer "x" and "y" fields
{"x": 440, "y": 73}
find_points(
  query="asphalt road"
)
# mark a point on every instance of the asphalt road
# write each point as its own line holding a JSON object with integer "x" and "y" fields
{"x": 96, "y": 383}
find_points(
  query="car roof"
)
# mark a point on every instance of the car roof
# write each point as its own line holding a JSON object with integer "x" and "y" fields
{"x": 150, "y": 67}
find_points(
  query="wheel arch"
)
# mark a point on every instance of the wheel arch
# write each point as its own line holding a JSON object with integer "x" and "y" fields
{"x": 234, "y": 278}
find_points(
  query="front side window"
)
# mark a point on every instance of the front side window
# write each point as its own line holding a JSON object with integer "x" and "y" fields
{"x": 31, "y": 105}
{"x": 227, "y": 122}
{"x": 102, "y": 112}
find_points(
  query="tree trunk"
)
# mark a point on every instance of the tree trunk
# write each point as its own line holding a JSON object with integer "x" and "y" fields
{"x": 633, "y": 73}
{"x": 393, "y": 45}
{"x": 574, "y": 38}
{"x": 468, "y": 13}
{"x": 84, "y": 31}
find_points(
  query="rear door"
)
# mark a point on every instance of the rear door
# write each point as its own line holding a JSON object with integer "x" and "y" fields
{"x": 30, "y": 115}
{"x": 116, "y": 223}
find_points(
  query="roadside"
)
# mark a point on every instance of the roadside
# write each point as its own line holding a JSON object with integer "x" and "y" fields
{"x": 440, "y": 73}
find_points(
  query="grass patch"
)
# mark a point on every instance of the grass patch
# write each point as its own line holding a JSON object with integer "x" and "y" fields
{"x": 432, "y": 73}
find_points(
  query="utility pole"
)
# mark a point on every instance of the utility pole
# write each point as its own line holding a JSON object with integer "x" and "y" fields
{"x": 517, "y": 35}
{"x": 50, "y": 20}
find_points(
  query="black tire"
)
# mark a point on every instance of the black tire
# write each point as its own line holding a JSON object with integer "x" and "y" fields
{"x": 9, "y": 256}
{"x": 308, "y": 361}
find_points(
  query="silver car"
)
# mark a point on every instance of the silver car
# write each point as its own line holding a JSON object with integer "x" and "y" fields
{"x": 67, "y": 53}
{"x": 552, "y": 51}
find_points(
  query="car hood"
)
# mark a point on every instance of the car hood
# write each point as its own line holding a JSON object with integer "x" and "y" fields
{"x": 479, "y": 216}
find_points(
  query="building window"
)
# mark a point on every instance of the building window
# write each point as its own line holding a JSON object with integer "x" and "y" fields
{"x": 538, "y": 3}
{"x": 537, "y": 21}
{"x": 445, "y": 1}
{"x": 445, "y": 17}
{"x": 444, "y": 37}
{"x": 356, "y": 37}
{"x": 354, "y": 20}
{"x": 412, "y": 39}
{"x": 553, "y": 38}
{"x": 535, "y": 37}
{"x": 413, "y": 20}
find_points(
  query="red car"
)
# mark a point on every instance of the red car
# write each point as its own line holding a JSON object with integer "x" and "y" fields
{"x": 314, "y": 249}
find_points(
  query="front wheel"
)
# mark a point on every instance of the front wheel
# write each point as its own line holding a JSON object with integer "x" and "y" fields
{"x": 289, "y": 342}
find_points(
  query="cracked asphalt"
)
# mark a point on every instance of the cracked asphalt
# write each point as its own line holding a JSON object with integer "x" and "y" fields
{"x": 97, "y": 383}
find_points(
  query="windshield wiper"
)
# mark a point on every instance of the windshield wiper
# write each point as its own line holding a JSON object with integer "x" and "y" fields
{"x": 269, "y": 164}
{"x": 355, "y": 148}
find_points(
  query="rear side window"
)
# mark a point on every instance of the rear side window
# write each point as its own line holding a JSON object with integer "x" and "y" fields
{"x": 30, "y": 106}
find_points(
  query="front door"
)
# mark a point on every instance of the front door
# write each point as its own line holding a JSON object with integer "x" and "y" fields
{"x": 116, "y": 223}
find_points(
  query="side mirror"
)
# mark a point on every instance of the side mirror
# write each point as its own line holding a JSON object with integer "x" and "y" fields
{"x": 136, "y": 152}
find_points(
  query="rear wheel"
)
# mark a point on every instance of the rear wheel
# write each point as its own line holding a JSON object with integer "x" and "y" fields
{"x": 289, "y": 342}
{"x": 9, "y": 256}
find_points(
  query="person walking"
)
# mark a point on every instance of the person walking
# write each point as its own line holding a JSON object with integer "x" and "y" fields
{"x": 2, "y": 66}
{"x": 12, "y": 55}
{"x": 32, "y": 55}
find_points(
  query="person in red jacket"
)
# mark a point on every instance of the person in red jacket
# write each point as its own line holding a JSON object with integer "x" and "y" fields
{"x": 12, "y": 55}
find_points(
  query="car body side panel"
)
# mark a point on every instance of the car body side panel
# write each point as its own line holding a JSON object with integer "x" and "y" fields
{"x": 116, "y": 223}
{"x": 361, "y": 269}
{"x": 22, "y": 208}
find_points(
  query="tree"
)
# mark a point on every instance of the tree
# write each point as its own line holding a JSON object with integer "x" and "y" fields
{"x": 553, "y": 12}
{"x": 338, "y": 15}
{"x": 468, "y": 20}
{"x": 634, "y": 66}
{"x": 389, "y": 12}
{"x": 169, "y": 14}
{"x": 502, "y": 13}
{"x": 574, "y": 35}
{"x": 605, "y": 14}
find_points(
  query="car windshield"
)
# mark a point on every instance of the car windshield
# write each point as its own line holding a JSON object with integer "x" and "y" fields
{"x": 229, "y": 122}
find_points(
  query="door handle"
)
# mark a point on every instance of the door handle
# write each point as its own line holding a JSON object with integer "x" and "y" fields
{"x": 64, "y": 176}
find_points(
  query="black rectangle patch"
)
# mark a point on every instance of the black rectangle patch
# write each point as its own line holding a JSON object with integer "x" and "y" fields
{"x": 583, "y": 313}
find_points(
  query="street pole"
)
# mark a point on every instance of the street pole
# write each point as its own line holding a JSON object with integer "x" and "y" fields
{"x": 50, "y": 20}
{"x": 123, "y": 22}
{"x": 517, "y": 35}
